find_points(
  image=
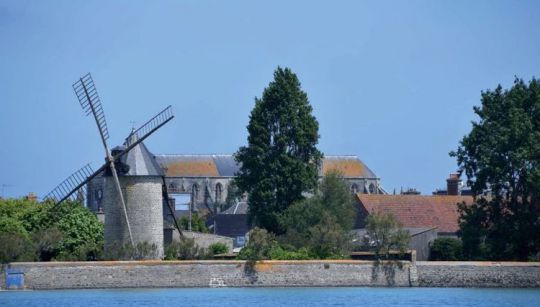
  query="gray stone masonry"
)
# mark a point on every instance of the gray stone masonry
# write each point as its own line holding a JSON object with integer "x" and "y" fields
{"x": 158, "y": 274}
{"x": 144, "y": 201}
{"x": 478, "y": 274}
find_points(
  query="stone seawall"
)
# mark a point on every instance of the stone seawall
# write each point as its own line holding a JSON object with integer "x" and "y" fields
{"x": 478, "y": 274}
{"x": 164, "y": 274}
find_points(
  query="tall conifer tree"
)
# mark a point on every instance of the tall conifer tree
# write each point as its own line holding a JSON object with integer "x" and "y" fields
{"x": 281, "y": 160}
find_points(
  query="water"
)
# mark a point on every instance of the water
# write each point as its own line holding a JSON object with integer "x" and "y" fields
{"x": 275, "y": 297}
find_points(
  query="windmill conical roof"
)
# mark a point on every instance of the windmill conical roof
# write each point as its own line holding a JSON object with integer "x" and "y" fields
{"x": 140, "y": 160}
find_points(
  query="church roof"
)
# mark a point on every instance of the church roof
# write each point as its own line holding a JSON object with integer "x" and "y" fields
{"x": 198, "y": 165}
{"x": 417, "y": 211}
{"x": 349, "y": 166}
{"x": 226, "y": 166}
{"x": 140, "y": 160}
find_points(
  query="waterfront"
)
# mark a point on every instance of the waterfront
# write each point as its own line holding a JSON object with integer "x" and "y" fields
{"x": 275, "y": 297}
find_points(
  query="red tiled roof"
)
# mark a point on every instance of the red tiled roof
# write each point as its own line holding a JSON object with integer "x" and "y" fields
{"x": 418, "y": 210}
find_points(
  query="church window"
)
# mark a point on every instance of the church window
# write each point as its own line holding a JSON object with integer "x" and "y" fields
{"x": 99, "y": 194}
{"x": 219, "y": 192}
{"x": 195, "y": 192}
{"x": 354, "y": 188}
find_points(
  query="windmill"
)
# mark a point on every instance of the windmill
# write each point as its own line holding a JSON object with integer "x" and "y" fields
{"x": 136, "y": 210}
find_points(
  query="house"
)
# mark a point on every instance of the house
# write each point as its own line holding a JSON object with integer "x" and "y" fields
{"x": 232, "y": 223}
{"x": 426, "y": 217}
{"x": 415, "y": 211}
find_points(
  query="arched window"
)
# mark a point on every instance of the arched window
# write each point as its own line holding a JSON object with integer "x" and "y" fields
{"x": 372, "y": 189}
{"x": 99, "y": 194}
{"x": 219, "y": 192}
{"x": 194, "y": 193}
{"x": 354, "y": 188}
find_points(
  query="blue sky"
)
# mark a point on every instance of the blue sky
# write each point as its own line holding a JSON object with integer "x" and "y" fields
{"x": 391, "y": 82}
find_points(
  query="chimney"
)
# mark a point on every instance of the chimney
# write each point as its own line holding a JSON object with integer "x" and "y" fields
{"x": 31, "y": 197}
{"x": 452, "y": 184}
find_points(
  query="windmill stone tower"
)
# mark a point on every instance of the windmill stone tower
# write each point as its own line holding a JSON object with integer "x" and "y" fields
{"x": 141, "y": 181}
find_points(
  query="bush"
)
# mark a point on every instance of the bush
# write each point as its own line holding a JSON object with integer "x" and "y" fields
{"x": 141, "y": 251}
{"x": 446, "y": 249}
{"x": 15, "y": 247}
{"x": 68, "y": 231}
{"x": 186, "y": 249}
{"x": 197, "y": 223}
{"x": 323, "y": 222}
{"x": 47, "y": 243}
{"x": 259, "y": 245}
{"x": 385, "y": 235}
{"x": 278, "y": 253}
{"x": 218, "y": 248}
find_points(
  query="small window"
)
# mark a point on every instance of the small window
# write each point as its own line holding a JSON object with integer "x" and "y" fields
{"x": 195, "y": 192}
{"x": 99, "y": 194}
{"x": 219, "y": 192}
{"x": 354, "y": 188}
{"x": 372, "y": 189}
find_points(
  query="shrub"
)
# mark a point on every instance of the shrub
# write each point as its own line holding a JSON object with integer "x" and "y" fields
{"x": 117, "y": 251}
{"x": 186, "y": 249}
{"x": 47, "y": 243}
{"x": 15, "y": 247}
{"x": 278, "y": 253}
{"x": 218, "y": 248}
{"x": 446, "y": 249}
{"x": 259, "y": 245}
{"x": 385, "y": 235}
{"x": 321, "y": 223}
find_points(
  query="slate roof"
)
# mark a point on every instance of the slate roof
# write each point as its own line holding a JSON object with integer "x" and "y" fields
{"x": 240, "y": 207}
{"x": 231, "y": 225}
{"x": 225, "y": 166}
{"x": 140, "y": 160}
{"x": 417, "y": 211}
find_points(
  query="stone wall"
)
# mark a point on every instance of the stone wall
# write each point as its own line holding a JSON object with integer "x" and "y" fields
{"x": 478, "y": 274}
{"x": 158, "y": 274}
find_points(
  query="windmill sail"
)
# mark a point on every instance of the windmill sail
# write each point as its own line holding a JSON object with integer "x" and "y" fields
{"x": 147, "y": 129}
{"x": 88, "y": 97}
{"x": 76, "y": 182}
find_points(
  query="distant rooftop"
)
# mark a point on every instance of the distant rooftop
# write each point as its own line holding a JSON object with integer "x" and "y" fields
{"x": 224, "y": 165}
{"x": 418, "y": 211}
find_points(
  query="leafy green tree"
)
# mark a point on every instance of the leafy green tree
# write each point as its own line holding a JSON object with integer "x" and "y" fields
{"x": 259, "y": 245}
{"x": 47, "y": 243}
{"x": 68, "y": 231}
{"x": 82, "y": 231}
{"x": 386, "y": 235}
{"x": 15, "y": 247}
{"x": 281, "y": 160}
{"x": 501, "y": 158}
{"x": 197, "y": 223}
{"x": 321, "y": 223}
